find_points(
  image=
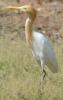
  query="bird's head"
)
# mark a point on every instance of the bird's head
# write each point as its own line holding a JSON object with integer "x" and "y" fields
{"x": 29, "y": 9}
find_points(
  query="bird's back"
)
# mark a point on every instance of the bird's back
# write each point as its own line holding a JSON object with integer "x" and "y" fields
{"x": 43, "y": 50}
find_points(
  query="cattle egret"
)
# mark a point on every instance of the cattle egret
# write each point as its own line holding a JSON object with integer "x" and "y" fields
{"x": 41, "y": 47}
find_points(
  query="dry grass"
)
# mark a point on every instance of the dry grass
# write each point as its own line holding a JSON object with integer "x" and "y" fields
{"x": 20, "y": 74}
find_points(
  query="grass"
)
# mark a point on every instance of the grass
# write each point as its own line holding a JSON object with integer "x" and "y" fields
{"x": 20, "y": 74}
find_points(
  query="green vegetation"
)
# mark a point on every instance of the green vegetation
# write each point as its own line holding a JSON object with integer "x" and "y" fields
{"x": 20, "y": 74}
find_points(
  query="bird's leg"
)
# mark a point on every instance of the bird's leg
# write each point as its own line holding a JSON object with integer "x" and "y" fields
{"x": 43, "y": 74}
{"x": 42, "y": 71}
{"x": 41, "y": 78}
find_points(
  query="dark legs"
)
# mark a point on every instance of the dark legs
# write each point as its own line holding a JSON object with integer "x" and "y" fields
{"x": 44, "y": 74}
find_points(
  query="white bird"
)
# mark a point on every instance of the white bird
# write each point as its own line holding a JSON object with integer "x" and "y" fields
{"x": 41, "y": 47}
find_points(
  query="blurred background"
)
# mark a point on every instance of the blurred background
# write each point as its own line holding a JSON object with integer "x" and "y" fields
{"x": 19, "y": 72}
{"x": 52, "y": 25}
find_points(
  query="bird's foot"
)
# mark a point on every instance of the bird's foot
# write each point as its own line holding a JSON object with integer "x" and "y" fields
{"x": 40, "y": 91}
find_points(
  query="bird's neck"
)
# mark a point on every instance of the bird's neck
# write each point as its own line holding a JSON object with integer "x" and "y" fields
{"x": 28, "y": 31}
